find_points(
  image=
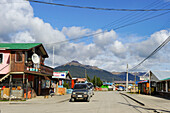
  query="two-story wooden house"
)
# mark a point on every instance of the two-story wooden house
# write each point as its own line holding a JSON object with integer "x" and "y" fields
{"x": 22, "y": 69}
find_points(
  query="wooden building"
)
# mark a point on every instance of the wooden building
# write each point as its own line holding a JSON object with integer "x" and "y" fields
{"x": 158, "y": 82}
{"x": 22, "y": 69}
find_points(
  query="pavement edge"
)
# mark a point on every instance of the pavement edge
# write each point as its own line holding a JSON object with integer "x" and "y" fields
{"x": 133, "y": 99}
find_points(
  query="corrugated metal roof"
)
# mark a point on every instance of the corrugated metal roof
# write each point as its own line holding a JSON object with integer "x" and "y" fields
{"x": 124, "y": 82}
{"x": 161, "y": 75}
{"x": 165, "y": 79}
{"x": 18, "y": 45}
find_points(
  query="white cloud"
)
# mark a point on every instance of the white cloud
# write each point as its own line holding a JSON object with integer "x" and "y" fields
{"x": 118, "y": 49}
{"x": 144, "y": 48}
{"x": 104, "y": 39}
{"x": 75, "y": 32}
{"x": 22, "y": 37}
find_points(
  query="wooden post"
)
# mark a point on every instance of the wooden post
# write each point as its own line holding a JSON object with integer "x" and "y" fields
{"x": 150, "y": 82}
{"x": 57, "y": 88}
{"x": 166, "y": 86}
{"x": 127, "y": 79}
{"x": 135, "y": 83}
{"x": 39, "y": 85}
{"x": 27, "y": 87}
{"x": 23, "y": 82}
{"x": 10, "y": 86}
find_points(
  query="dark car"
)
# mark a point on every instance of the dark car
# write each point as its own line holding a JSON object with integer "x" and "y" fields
{"x": 81, "y": 91}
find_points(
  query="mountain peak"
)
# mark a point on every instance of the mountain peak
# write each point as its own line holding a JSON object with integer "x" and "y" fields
{"x": 74, "y": 61}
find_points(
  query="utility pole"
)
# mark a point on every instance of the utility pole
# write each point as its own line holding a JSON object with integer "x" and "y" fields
{"x": 53, "y": 57}
{"x": 127, "y": 79}
{"x": 85, "y": 75}
{"x": 135, "y": 83}
{"x": 150, "y": 82}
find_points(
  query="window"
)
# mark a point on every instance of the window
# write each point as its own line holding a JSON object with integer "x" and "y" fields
{"x": 1, "y": 58}
{"x": 18, "y": 56}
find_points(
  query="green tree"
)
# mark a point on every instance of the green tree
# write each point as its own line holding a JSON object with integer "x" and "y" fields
{"x": 88, "y": 79}
{"x": 66, "y": 85}
{"x": 94, "y": 81}
{"x": 99, "y": 82}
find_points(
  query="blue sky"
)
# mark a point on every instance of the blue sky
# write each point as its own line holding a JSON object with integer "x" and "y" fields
{"x": 59, "y": 16}
{"x": 25, "y": 22}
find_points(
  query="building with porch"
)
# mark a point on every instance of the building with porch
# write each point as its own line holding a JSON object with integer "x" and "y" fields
{"x": 163, "y": 85}
{"x": 158, "y": 82}
{"x": 22, "y": 70}
{"x": 65, "y": 79}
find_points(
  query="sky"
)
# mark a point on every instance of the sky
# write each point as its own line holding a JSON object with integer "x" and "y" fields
{"x": 118, "y": 41}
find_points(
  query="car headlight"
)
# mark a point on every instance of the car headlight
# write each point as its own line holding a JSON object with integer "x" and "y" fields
{"x": 74, "y": 93}
{"x": 85, "y": 93}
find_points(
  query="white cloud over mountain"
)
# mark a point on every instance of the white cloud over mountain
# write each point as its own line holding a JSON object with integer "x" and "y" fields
{"x": 18, "y": 24}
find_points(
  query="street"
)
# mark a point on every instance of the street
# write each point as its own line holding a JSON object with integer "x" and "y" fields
{"x": 101, "y": 102}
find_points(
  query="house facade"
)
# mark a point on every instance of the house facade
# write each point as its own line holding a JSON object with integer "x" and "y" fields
{"x": 22, "y": 70}
{"x": 158, "y": 82}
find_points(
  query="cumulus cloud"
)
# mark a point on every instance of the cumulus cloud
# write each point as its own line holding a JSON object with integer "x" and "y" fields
{"x": 22, "y": 37}
{"x": 18, "y": 19}
{"x": 103, "y": 39}
{"x": 145, "y": 47}
{"x": 118, "y": 49}
{"x": 75, "y": 32}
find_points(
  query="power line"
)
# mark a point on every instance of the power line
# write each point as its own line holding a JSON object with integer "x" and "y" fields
{"x": 128, "y": 17}
{"x": 132, "y": 23}
{"x": 95, "y": 8}
{"x": 154, "y": 52}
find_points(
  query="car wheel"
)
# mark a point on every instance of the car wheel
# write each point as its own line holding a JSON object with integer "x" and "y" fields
{"x": 72, "y": 100}
{"x": 88, "y": 99}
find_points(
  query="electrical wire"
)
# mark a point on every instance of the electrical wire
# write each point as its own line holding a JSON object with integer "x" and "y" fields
{"x": 156, "y": 4}
{"x": 137, "y": 16}
{"x": 154, "y": 52}
{"x": 95, "y": 8}
{"x": 94, "y": 34}
{"x": 128, "y": 16}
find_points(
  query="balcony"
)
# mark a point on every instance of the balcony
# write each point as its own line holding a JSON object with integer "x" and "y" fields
{"x": 41, "y": 70}
{"x": 46, "y": 70}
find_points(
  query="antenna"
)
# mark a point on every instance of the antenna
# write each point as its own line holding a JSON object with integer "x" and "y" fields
{"x": 35, "y": 58}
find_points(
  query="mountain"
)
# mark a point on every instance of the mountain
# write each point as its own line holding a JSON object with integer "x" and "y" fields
{"x": 122, "y": 75}
{"x": 78, "y": 70}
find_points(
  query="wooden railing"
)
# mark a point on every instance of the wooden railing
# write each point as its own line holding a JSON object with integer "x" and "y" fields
{"x": 46, "y": 70}
{"x": 42, "y": 70}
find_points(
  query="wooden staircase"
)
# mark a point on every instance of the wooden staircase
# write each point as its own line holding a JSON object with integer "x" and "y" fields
{"x": 4, "y": 77}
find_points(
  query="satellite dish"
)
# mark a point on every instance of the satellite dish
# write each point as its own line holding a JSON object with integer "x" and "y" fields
{"x": 35, "y": 58}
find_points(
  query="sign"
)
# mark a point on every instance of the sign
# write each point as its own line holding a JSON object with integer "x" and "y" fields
{"x": 144, "y": 78}
{"x": 59, "y": 75}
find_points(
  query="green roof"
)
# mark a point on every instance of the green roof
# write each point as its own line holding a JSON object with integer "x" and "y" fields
{"x": 18, "y": 45}
{"x": 165, "y": 79}
{"x": 62, "y": 72}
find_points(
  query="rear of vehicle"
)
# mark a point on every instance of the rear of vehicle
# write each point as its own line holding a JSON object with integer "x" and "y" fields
{"x": 80, "y": 92}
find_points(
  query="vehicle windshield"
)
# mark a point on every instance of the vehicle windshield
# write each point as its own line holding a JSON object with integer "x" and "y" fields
{"x": 80, "y": 86}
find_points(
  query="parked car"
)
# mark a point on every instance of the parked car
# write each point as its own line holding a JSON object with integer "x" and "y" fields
{"x": 120, "y": 89}
{"x": 81, "y": 91}
{"x": 110, "y": 88}
{"x": 91, "y": 88}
